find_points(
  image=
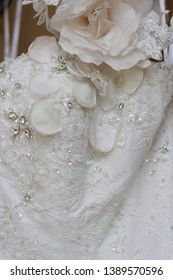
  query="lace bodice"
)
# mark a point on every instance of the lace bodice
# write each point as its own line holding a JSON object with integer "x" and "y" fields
{"x": 60, "y": 181}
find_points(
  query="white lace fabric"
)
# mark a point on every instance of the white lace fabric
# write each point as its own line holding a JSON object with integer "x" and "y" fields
{"x": 69, "y": 194}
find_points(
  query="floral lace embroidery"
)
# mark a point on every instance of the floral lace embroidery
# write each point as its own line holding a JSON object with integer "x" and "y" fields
{"x": 66, "y": 166}
{"x": 153, "y": 38}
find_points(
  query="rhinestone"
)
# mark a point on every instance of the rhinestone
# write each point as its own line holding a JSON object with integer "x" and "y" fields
{"x": 70, "y": 105}
{"x": 27, "y": 197}
{"x": 57, "y": 171}
{"x": 2, "y": 93}
{"x": 147, "y": 160}
{"x": 22, "y": 120}
{"x": 139, "y": 120}
{"x": 17, "y": 85}
{"x": 69, "y": 151}
{"x": 70, "y": 163}
{"x": 28, "y": 133}
{"x": 121, "y": 106}
{"x": 164, "y": 149}
{"x": 113, "y": 249}
{"x": 16, "y": 131}
{"x": 19, "y": 214}
{"x": 155, "y": 160}
{"x": 152, "y": 172}
{"x": 12, "y": 116}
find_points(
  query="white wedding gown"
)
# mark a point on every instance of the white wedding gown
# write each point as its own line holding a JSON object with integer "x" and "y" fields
{"x": 62, "y": 199}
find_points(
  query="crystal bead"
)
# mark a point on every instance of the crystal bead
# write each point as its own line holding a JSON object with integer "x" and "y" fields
{"x": 164, "y": 149}
{"x": 121, "y": 106}
{"x": 139, "y": 120}
{"x": 27, "y": 197}
{"x": 70, "y": 105}
{"x": 22, "y": 120}
{"x": 28, "y": 133}
{"x": 12, "y": 116}
{"x": 152, "y": 172}
{"x": 19, "y": 215}
{"x": 16, "y": 131}
{"x": 17, "y": 85}
{"x": 70, "y": 163}
{"x": 2, "y": 93}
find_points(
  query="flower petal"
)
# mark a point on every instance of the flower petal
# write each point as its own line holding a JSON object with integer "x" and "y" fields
{"x": 85, "y": 93}
{"x": 45, "y": 118}
{"x": 132, "y": 78}
{"x": 43, "y": 48}
{"x": 102, "y": 137}
{"x": 127, "y": 61}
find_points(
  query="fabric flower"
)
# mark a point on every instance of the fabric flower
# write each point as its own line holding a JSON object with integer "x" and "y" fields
{"x": 43, "y": 49}
{"x": 45, "y": 118}
{"x": 100, "y": 31}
